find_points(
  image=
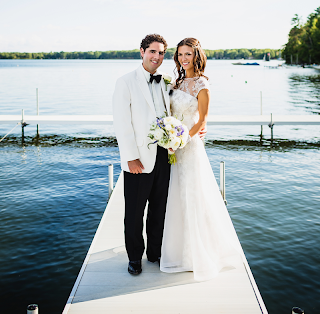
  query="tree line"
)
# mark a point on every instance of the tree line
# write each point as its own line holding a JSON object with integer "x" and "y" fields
{"x": 303, "y": 44}
{"x": 135, "y": 54}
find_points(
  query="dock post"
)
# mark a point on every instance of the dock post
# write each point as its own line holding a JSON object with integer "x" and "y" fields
{"x": 297, "y": 310}
{"x": 222, "y": 181}
{"x": 22, "y": 126}
{"x": 270, "y": 125}
{"x": 32, "y": 309}
{"x": 37, "y": 94}
{"x": 110, "y": 173}
{"x": 261, "y": 133}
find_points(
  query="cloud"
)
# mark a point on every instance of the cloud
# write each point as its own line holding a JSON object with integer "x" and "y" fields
{"x": 20, "y": 43}
{"x": 104, "y": 1}
{"x": 81, "y": 28}
{"x": 121, "y": 24}
{"x": 53, "y": 27}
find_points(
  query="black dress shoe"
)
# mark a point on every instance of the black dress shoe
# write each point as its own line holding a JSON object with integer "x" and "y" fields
{"x": 134, "y": 267}
{"x": 155, "y": 261}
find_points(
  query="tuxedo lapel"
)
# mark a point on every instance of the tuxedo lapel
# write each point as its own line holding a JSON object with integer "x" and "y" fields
{"x": 145, "y": 88}
{"x": 165, "y": 96}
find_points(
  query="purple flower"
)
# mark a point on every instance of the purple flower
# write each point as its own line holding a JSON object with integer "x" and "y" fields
{"x": 160, "y": 123}
{"x": 180, "y": 130}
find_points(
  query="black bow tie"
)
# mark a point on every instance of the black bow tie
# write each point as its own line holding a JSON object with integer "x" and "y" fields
{"x": 157, "y": 78}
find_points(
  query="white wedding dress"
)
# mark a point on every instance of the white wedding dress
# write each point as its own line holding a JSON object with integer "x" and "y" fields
{"x": 198, "y": 233}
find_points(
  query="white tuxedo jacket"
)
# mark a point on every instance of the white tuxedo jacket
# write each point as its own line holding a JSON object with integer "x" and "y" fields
{"x": 133, "y": 113}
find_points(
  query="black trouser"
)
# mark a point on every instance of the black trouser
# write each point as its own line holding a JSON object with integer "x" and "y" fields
{"x": 138, "y": 188}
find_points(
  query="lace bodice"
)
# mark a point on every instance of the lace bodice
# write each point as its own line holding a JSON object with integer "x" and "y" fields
{"x": 193, "y": 86}
{"x": 184, "y": 102}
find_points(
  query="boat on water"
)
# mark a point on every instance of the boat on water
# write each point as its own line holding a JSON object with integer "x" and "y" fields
{"x": 273, "y": 66}
{"x": 317, "y": 67}
{"x": 247, "y": 63}
{"x": 251, "y": 63}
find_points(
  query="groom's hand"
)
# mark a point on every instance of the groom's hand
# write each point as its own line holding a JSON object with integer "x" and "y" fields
{"x": 135, "y": 166}
{"x": 202, "y": 133}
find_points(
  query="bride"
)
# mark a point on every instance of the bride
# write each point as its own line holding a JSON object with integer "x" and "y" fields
{"x": 198, "y": 233}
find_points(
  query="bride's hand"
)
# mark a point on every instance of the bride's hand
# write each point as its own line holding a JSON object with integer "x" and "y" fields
{"x": 171, "y": 150}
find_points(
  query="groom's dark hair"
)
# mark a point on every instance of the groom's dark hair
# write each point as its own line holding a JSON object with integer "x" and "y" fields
{"x": 149, "y": 39}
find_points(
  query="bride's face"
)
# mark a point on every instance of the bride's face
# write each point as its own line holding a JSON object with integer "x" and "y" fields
{"x": 185, "y": 57}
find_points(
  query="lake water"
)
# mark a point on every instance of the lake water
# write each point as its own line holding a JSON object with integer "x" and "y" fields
{"x": 52, "y": 195}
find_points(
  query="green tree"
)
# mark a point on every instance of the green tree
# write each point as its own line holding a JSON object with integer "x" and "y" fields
{"x": 296, "y": 20}
{"x": 304, "y": 40}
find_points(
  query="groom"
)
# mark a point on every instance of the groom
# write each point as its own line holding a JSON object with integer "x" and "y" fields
{"x": 140, "y": 97}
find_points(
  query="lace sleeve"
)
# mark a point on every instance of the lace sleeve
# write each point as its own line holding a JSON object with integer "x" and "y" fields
{"x": 200, "y": 84}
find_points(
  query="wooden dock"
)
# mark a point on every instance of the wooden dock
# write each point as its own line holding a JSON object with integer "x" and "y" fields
{"x": 104, "y": 285}
{"x": 212, "y": 119}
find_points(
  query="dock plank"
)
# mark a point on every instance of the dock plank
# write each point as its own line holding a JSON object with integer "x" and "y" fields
{"x": 104, "y": 285}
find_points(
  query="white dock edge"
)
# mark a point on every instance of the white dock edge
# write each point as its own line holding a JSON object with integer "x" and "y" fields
{"x": 104, "y": 285}
{"x": 212, "y": 119}
{"x": 58, "y": 119}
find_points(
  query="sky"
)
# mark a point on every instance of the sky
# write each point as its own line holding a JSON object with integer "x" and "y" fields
{"x": 78, "y": 25}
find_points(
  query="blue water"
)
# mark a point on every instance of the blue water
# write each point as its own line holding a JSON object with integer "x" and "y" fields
{"x": 52, "y": 195}
{"x": 86, "y": 87}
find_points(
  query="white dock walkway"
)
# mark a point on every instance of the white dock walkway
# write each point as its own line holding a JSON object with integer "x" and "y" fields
{"x": 104, "y": 285}
{"x": 212, "y": 119}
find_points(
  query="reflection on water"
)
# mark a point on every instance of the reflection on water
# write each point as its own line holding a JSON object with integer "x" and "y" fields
{"x": 86, "y": 87}
{"x": 53, "y": 191}
{"x": 305, "y": 90}
{"x": 52, "y": 199}
{"x": 111, "y": 141}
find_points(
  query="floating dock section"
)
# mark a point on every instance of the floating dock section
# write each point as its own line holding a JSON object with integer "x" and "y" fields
{"x": 105, "y": 286}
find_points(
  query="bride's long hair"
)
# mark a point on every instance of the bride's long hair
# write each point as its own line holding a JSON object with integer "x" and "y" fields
{"x": 199, "y": 60}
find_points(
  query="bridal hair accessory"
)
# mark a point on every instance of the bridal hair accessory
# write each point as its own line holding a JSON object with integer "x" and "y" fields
{"x": 157, "y": 78}
{"x": 169, "y": 132}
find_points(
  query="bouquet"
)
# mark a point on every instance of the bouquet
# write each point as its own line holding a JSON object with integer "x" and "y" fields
{"x": 169, "y": 132}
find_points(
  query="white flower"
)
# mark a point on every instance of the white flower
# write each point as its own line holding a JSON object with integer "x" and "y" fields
{"x": 183, "y": 144}
{"x": 165, "y": 143}
{"x": 153, "y": 126}
{"x": 167, "y": 78}
{"x": 184, "y": 138}
{"x": 158, "y": 134}
{"x": 172, "y": 132}
{"x": 168, "y": 120}
{"x": 176, "y": 122}
{"x": 175, "y": 143}
{"x": 185, "y": 134}
{"x": 168, "y": 127}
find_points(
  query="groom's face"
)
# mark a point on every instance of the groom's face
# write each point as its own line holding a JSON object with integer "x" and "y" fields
{"x": 152, "y": 57}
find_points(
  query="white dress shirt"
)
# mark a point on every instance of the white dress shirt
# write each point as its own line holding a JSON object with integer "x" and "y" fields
{"x": 156, "y": 93}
